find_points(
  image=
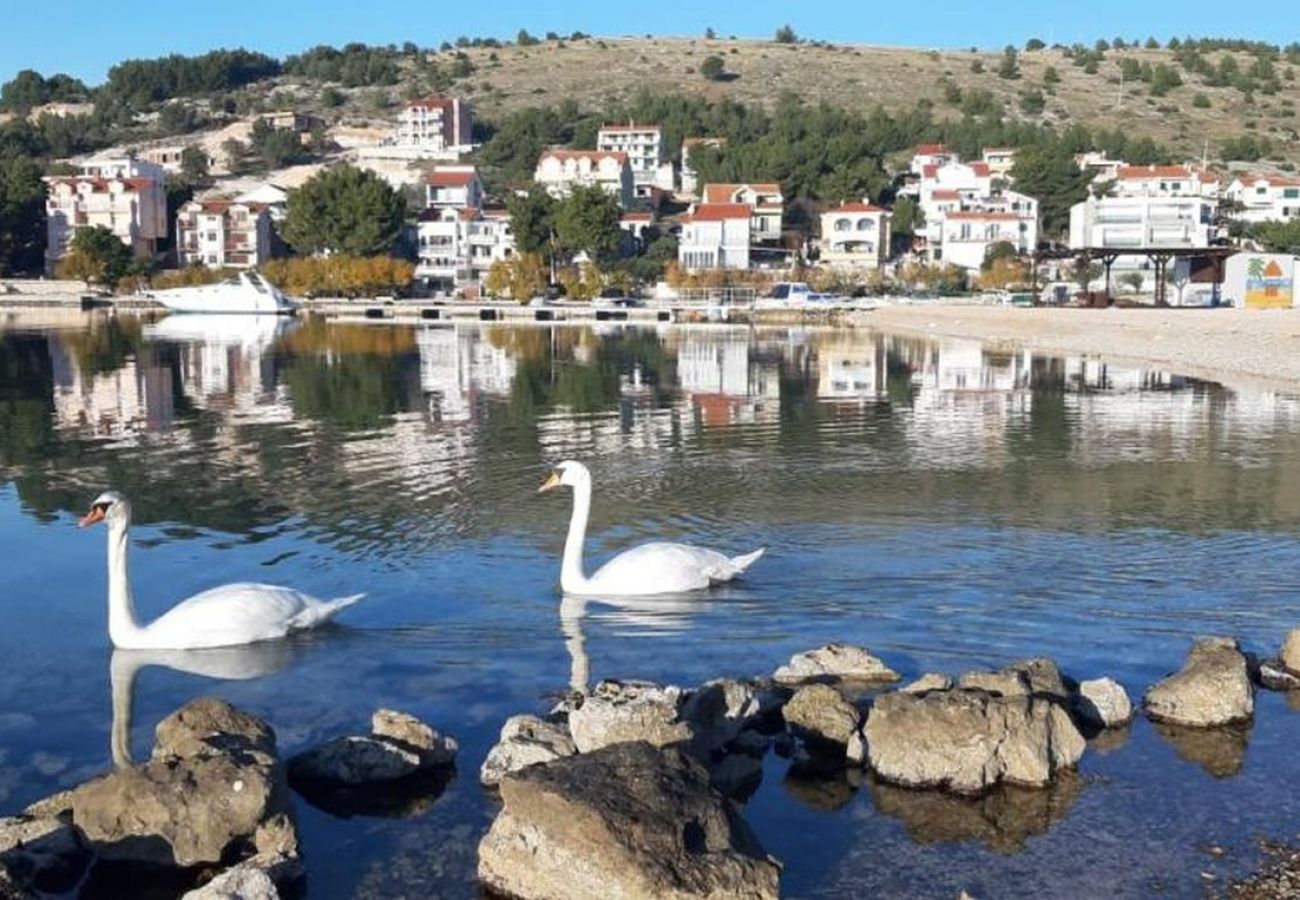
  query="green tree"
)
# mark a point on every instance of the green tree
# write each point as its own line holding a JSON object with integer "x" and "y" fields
{"x": 1034, "y": 44}
{"x": 1032, "y": 102}
{"x": 587, "y": 221}
{"x": 276, "y": 147}
{"x": 907, "y": 217}
{"x": 1051, "y": 76}
{"x": 1085, "y": 272}
{"x": 1279, "y": 237}
{"x": 997, "y": 251}
{"x": 532, "y": 219}
{"x": 194, "y": 166}
{"x": 713, "y": 67}
{"x": 344, "y": 210}
{"x": 1048, "y": 171}
{"x": 1009, "y": 68}
{"x": 22, "y": 216}
{"x": 1133, "y": 280}
{"x": 524, "y": 39}
{"x": 96, "y": 255}
{"x": 785, "y": 35}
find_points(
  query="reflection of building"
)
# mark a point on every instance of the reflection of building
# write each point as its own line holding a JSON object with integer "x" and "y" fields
{"x": 726, "y": 383}
{"x": 456, "y": 365}
{"x": 132, "y": 399}
{"x": 850, "y": 367}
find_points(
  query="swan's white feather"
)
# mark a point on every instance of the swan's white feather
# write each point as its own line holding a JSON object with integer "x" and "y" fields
{"x": 666, "y": 568}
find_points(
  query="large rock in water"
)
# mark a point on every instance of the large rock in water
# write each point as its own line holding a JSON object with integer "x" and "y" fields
{"x": 970, "y": 740}
{"x": 1212, "y": 688}
{"x": 1290, "y": 654}
{"x": 398, "y": 746}
{"x": 525, "y": 741}
{"x": 627, "y": 821}
{"x": 834, "y": 663}
{"x": 821, "y": 714}
{"x": 242, "y": 882}
{"x": 41, "y": 856}
{"x": 210, "y": 789}
{"x": 1103, "y": 703}
{"x": 620, "y": 711}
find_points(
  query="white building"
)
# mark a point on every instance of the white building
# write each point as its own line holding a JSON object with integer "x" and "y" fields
{"x": 1137, "y": 222}
{"x": 453, "y": 186}
{"x": 223, "y": 234}
{"x": 126, "y": 196}
{"x": 560, "y": 170}
{"x": 931, "y": 155}
{"x": 1264, "y": 198}
{"x": 457, "y": 247}
{"x": 437, "y": 127}
{"x": 1165, "y": 181}
{"x": 999, "y": 160}
{"x": 765, "y": 199}
{"x": 855, "y": 236}
{"x": 715, "y": 236}
{"x": 690, "y": 179}
{"x": 643, "y": 145}
{"x": 967, "y": 235}
{"x": 273, "y": 197}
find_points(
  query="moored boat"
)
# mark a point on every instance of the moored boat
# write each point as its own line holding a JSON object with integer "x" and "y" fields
{"x": 247, "y": 292}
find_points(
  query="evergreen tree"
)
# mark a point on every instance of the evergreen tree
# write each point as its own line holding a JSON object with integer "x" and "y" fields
{"x": 344, "y": 210}
{"x": 96, "y": 256}
{"x": 22, "y": 216}
{"x": 587, "y": 221}
{"x": 1048, "y": 172}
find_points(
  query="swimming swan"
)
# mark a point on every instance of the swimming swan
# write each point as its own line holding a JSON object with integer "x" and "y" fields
{"x": 225, "y": 616}
{"x": 656, "y": 568}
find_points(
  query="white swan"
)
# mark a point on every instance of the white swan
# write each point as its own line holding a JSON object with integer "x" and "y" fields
{"x": 656, "y": 568}
{"x": 225, "y": 616}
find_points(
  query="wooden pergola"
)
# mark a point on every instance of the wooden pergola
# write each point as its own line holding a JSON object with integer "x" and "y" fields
{"x": 1160, "y": 258}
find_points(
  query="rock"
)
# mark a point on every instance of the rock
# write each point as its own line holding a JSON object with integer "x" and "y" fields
{"x": 930, "y": 681}
{"x": 1290, "y": 654}
{"x": 855, "y": 751}
{"x": 754, "y": 743}
{"x": 525, "y": 741}
{"x": 621, "y": 711}
{"x": 1212, "y": 688}
{"x": 1039, "y": 677}
{"x": 970, "y": 740}
{"x": 242, "y": 882}
{"x": 1275, "y": 677}
{"x": 1003, "y": 683}
{"x": 820, "y": 713}
{"x": 833, "y": 663}
{"x": 628, "y": 820}
{"x": 40, "y": 856}
{"x": 719, "y": 710}
{"x": 1103, "y": 702}
{"x": 199, "y": 800}
{"x": 355, "y": 759}
{"x": 210, "y": 727}
{"x": 737, "y": 775}
{"x": 434, "y": 748}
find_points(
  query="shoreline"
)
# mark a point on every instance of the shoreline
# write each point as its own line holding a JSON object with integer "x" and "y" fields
{"x": 1247, "y": 349}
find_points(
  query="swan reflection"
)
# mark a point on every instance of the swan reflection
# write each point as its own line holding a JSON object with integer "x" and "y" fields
{"x": 641, "y": 616}
{"x": 221, "y": 663}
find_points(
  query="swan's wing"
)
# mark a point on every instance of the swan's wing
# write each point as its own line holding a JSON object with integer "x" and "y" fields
{"x": 662, "y": 567}
{"x": 231, "y": 614}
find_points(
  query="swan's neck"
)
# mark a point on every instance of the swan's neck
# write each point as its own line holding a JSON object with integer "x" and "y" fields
{"x": 123, "y": 629}
{"x": 571, "y": 577}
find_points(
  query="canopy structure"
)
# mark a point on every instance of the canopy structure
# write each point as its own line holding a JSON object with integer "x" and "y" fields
{"x": 1159, "y": 256}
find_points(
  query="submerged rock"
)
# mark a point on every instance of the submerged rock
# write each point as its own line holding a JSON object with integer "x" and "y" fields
{"x": 621, "y": 711}
{"x": 970, "y": 740}
{"x": 1212, "y": 688}
{"x": 1103, "y": 702}
{"x": 399, "y": 746}
{"x": 835, "y": 662}
{"x": 1290, "y": 654}
{"x": 820, "y": 713}
{"x": 434, "y": 748}
{"x": 1276, "y": 677}
{"x": 629, "y": 820}
{"x": 41, "y": 856}
{"x": 212, "y": 783}
{"x": 525, "y": 741}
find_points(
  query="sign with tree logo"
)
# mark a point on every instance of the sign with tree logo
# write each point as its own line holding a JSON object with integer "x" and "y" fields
{"x": 1269, "y": 283}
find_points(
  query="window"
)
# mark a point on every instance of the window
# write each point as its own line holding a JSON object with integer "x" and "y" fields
{"x": 842, "y": 225}
{"x": 865, "y": 224}
{"x": 1290, "y": 193}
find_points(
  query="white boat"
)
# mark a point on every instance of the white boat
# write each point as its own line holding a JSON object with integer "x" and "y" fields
{"x": 247, "y": 292}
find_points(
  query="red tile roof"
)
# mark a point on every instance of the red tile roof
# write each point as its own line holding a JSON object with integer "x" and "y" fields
{"x": 638, "y": 217}
{"x": 1135, "y": 173}
{"x": 449, "y": 179}
{"x": 929, "y": 170}
{"x": 930, "y": 149}
{"x": 945, "y": 194}
{"x": 431, "y": 103}
{"x": 719, "y": 212}
{"x": 723, "y": 193}
{"x": 980, "y": 168}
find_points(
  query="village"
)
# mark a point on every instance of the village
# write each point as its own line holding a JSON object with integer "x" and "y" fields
{"x": 1163, "y": 234}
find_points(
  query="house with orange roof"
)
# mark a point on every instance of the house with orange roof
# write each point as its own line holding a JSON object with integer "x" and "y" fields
{"x": 763, "y": 198}
{"x": 931, "y": 155}
{"x": 453, "y": 186}
{"x": 123, "y": 194}
{"x": 1164, "y": 181}
{"x": 854, "y": 236}
{"x": 559, "y": 171}
{"x": 223, "y": 233}
{"x": 715, "y": 236}
{"x": 1264, "y": 198}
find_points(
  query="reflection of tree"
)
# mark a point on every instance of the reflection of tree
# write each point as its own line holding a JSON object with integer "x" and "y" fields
{"x": 352, "y": 392}
{"x": 106, "y": 345}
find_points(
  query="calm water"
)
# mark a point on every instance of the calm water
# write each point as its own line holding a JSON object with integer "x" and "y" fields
{"x": 947, "y": 506}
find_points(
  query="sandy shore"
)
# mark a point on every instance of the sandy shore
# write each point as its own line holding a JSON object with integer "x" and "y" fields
{"x": 1259, "y": 348}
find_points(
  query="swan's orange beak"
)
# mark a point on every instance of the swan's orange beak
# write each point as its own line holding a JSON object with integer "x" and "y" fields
{"x": 96, "y": 514}
{"x": 552, "y": 481}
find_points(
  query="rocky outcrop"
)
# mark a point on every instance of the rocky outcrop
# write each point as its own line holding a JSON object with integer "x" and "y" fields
{"x": 1212, "y": 688}
{"x": 1290, "y": 655}
{"x": 1037, "y": 677}
{"x": 41, "y": 857}
{"x": 1103, "y": 703}
{"x": 399, "y": 746}
{"x": 820, "y": 713}
{"x": 525, "y": 741}
{"x": 970, "y": 740}
{"x": 211, "y": 785}
{"x": 628, "y": 820}
{"x": 930, "y": 681}
{"x": 621, "y": 711}
{"x": 835, "y": 663}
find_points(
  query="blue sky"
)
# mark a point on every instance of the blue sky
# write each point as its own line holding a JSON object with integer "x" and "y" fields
{"x": 85, "y": 37}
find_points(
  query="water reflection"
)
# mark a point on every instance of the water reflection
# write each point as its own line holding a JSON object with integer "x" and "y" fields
{"x": 1221, "y": 751}
{"x": 241, "y": 663}
{"x": 643, "y": 616}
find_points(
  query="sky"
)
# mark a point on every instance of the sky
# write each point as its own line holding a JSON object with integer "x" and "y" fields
{"x": 86, "y": 37}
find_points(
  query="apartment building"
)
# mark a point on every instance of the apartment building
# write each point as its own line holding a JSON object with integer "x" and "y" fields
{"x": 453, "y": 186}
{"x": 457, "y": 247}
{"x": 690, "y": 184}
{"x": 967, "y": 235}
{"x": 855, "y": 236}
{"x": 1264, "y": 198}
{"x": 999, "y": 160}
{"x": 764, "y": 199}
{"x": 1164, "y": 181}
{"x": 125, "y": 195}
{"x": 1135, "y": 222}
{"x": 223, "y": 234}
{"x": 715, "y": 236}
{"x": 559, "y": 171}
{"x": 643, "y": 145}
{"x": 931, "y": 155}
{"x": 435, "y": 127}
